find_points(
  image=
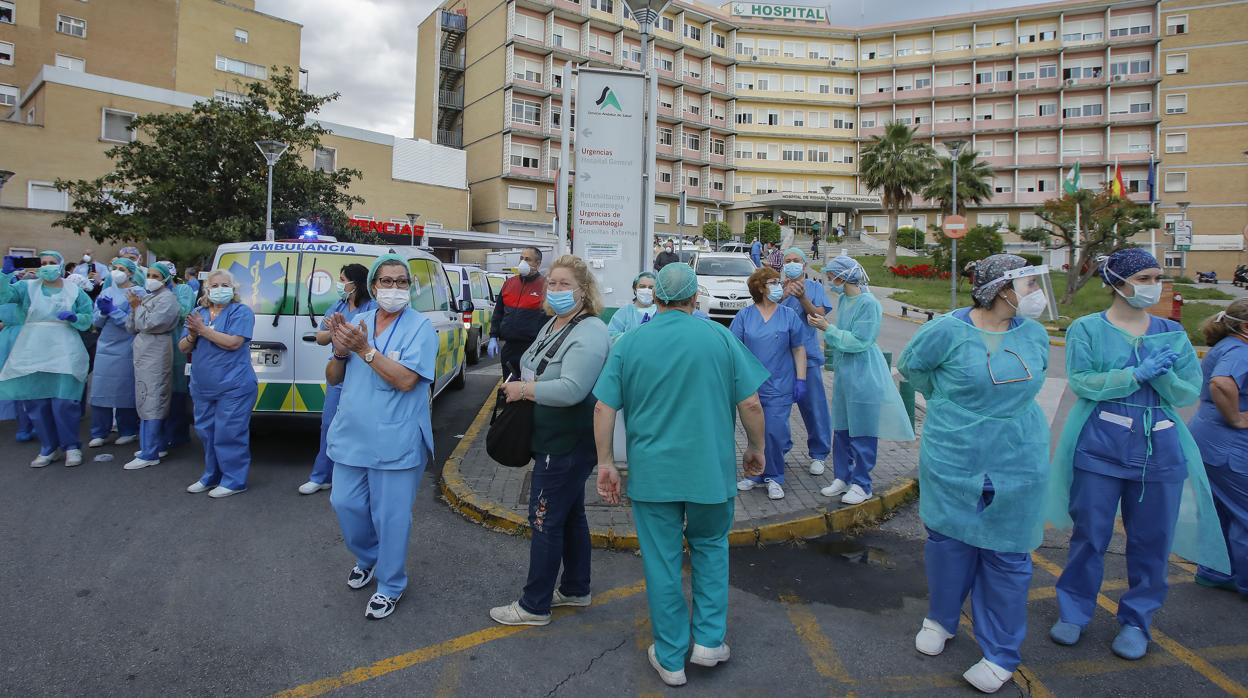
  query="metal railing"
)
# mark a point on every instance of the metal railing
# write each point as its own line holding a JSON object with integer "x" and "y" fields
{"x": 451, "y": 98}
{"x": 454, "y": 22}
{"x": 453, "y": 139}
{"x": 451, "y": 60}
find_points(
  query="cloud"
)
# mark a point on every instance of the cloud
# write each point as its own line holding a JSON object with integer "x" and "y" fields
{"x": 364, "y": 49}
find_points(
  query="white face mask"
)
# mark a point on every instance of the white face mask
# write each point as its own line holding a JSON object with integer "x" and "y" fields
{"x": 392, "y": 300}
{"x": 523, "y": 268}
{"x": 1033, "y": 304}
{"x": 153, "y": 285}
{"x": 119, "y": 276}
{"x": 1146, "y": 295}
{"x": 645, "y": 296}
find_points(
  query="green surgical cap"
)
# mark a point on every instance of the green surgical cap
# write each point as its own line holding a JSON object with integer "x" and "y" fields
{"x": 676, "y": 282}
{"x": 384, "y": 259}
{"x": 165, "y": 272}
{"x": 796, "y": 251}
{"x": 60, "y": 259}
{"x": 136, "y": 277}
{"x": 643, "y": 275}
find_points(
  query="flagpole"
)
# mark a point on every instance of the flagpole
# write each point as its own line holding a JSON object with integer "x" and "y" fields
{"x": 1152, "y": 208}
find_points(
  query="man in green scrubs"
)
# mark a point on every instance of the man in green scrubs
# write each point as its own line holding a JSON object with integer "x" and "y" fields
{"x": 680, "y": 378}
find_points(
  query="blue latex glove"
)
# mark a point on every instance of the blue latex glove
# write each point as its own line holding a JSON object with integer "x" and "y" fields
{"x": 492, "y": 348}
{"x": 67, "y": 316}
{"x": 799, "y": 390}
{"x": 1155, "y": 365}
{"x": 105, "y": 305}
{"x": 9, "y": 266}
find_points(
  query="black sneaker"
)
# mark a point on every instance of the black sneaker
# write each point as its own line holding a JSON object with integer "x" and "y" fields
{"x": 358, "y": 579}
{"x": 381, "y": 606}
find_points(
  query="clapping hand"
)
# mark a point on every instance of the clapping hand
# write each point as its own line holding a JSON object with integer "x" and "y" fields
{"x": 350, "y": 338}
{"x": 1155, "y": 365}
{"x": 195, "y": 324}
{"x": 818, "y": 322}
{"x": 67, "y": 316}
{"x": 135, "y": 299}
{"x": 795, "y": 288}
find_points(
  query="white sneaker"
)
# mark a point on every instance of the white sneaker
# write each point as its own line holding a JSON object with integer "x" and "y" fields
{"x": 358, "y": 578}
{"x": 42, "y": 461}
{"x": 671, "y": 678}
{"x": 931, "y": 638}
{"x": 816, "y": 467}
{"x": 747, "y": 484}
{"x": 709, "y": 656}
{"x": 310, "y": 487}
{"x": 855, "y": 495}
{"x": 159, "y": 454}
{"x": 139, "y": 464}
{"x": 381, "y": 606}
{"x": 197, "y": 487}
{"x": 837, "y": 487}
{"x": 987, "y": 677}
{"x": 513, "y": 614}
{"x": 774, "y": 490}
{"x": 579, "y": 601}
{"x": 218, "y": 492}
{"x": 123, "y": 440}
{"x": 73, "y": 457}
{"x": 96, "y": 443}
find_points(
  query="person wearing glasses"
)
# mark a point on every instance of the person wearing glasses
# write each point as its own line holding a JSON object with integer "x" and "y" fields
{"x": 1125, "y": 447}
{"x": 381, "y": 438}
{"x": 984, "y": 461}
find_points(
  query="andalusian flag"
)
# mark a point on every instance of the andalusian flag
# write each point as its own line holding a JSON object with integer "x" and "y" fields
{"x": 1071, "y": 183}
{"x": 1116, "y": 187}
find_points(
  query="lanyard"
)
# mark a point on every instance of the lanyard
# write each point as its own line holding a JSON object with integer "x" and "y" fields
{"x": 390, "y": 335}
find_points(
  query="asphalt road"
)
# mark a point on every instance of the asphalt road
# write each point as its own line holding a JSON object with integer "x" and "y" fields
{"x": 119, "y": 583}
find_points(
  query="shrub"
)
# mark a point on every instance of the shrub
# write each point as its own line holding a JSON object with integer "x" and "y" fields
{"x": 768, "y": 230}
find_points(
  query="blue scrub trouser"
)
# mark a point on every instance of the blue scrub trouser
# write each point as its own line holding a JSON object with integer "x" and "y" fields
{"x": 323, "y": 467}
{"x": 1230, "y": 497}
{"x": 1094, "y": 499}
{"x": 560, "y": 529}
{"x": 151, "y": 439}
{"x": 176, "y": 428}
{"x": 659, "y": 531}
{"x": 102, "y": 418}
{"x": 815, "y": 413}
{"x": 25, "y": 427}
{"x": 997, "y": 583}
{"x": 374, "y": 509}
{"x": 56, "y": 423}
{"x": 853, "y": 458}
{"x": 224, "y": 427}
{"x": 778, "y": 438}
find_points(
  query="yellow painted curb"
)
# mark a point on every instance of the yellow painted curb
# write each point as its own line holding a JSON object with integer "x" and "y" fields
{"x": 819, "y": 522}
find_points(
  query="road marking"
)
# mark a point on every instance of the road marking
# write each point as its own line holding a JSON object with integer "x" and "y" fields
{"x": 448, "y": 683}
{"x": 1042, "y": 593}
{"x": 641, "y": 629}
{"x": 1024, "y": 677}
{"x": 1183, "y": 654}
{"x": 822, "y": 654}
{"x": 406, "y": 660}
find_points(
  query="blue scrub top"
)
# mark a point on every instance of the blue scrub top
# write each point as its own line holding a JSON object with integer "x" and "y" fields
{"x": 215, "y": 371}
{"x": 1222, "y": 445}
{"x": 1108, "y": 446}
{"x": 772, "y": 342}
{"x": 818, "y": 298}
{"x": 377, "y": 425}
{"x": 340, "y": 306}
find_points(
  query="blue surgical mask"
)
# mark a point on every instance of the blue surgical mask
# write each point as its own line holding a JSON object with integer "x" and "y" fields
{"x": 793, "y": 270}
{"x": 1146, "y": 295}
{"x": 221, "y": 295}
{"x": 49, "y": 272}
{"x": 775, "y": 292}
{"x": 561, "y": 301}
{"x": 836, "y": 288}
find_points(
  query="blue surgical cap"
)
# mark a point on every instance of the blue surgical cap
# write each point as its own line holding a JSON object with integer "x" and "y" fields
{"x": 1126, "y": 263}
{"x": 130, "y": 250}
{"x": 643, "y": 275}
{"x": 847, "y": 269}
{"x": 388, "y": 258}
{"x": 676, "y": 282}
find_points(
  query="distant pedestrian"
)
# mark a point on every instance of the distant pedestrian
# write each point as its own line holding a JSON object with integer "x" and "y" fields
{"x": 666, "y": 257}
{"x": 814, "y": 246}
{"x": 756, "y": 252}
{"x": 519, "y": 314}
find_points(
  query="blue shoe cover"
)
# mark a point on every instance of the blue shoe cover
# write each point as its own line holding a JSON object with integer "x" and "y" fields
{"x": 1064, "y": 633}
{"x": 1131, "y": 643}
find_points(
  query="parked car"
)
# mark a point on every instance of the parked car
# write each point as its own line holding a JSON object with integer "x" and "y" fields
{"x": 722, "y": 288}
{"x": 735, "y": 247}
{"x": 471, "y": 283}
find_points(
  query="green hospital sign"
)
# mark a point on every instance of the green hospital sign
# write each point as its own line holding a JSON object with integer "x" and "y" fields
{"x": 770, "y": 11}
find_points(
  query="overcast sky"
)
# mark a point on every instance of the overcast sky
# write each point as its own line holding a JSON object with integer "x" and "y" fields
{"x": 366, "y": 49}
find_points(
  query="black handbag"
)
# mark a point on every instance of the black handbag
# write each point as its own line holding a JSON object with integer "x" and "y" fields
{"x": 509, "y": 440}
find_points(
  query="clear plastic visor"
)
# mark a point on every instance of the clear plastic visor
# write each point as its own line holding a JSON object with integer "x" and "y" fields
{"x": 1028, "y": 280}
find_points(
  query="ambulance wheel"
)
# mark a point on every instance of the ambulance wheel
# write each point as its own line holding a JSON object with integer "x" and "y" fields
{"x": 457, "y": 383}
{"x": 473, "y": 349}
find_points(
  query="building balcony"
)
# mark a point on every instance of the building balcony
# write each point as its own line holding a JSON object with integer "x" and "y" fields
{"x": 717, "y": 160}
{"x": 690, "y": 118}
{"x": 1034, "y": 197}
{"x": 452, "y": 22}
{"x": 1095, "y": 158}
{"x": 1133, "y": 157}
{"x": 664, "y": 187}
{"x": 876, "y": 98}
{"x": 452, "y": 139}
{"x": 1052, "y": 120}
{"x": 999, "y": 161}
{"x": 993, "y": 125}
{"x": 1038, "y": 85}
{"x": 571, "y": 6}
{"x": 451, "y": 61}
{"x": 950, "y": 127}
{"x": 1138, "y": 118}
{"x": 867, "y": 132}
{"x": 952, "y": 91}
{"x": 517, "y": 125}
{"x": 527, "y": 172}
{"x": 1042, "y": 159}
{"x": 666, "y": 111}
{"x": 913, "y": 95}
{"x": 451, "y": 99}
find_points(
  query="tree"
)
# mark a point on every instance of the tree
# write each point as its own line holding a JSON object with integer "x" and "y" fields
{"x": 716, "y": 231}
{"x": 1106, "y": 224}
{"x": 980, "y": 241}
{"x": 974, "y": 181}
{"x": 764, "y": 229}
{"x": 896, "y": 166}
{"x": 197, "y": 174}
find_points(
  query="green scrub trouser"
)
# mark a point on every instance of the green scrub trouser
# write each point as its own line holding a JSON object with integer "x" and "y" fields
{"x": 661, "y": 530}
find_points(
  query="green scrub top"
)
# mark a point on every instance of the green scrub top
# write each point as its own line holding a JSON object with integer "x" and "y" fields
{"x": 678, "y": 380}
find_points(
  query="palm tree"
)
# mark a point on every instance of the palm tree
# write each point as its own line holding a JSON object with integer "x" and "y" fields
{"x": 974, "y": 181}
{"x": 896, "y": 166}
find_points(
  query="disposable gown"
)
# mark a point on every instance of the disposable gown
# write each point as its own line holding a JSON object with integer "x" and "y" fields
{"x": 48, "y": 359}
{"x": 112, "y": 381}
{"x": 12, "y": 317}
{"x": 978, "y": 428}
{"x": 186, "y": 302}
{"x": 865, "y": 401}
{"x": 629, "y": 317}
{"x": 1095, "y": 354}
{"x": 152, "y": 322}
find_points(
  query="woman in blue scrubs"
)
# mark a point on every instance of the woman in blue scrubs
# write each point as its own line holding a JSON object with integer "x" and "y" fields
{"x": 353, "y": 300}
{"x": 223, "y": 384}
{"x": 776, "y": 336}
{"x": 807, "y": 298}
{"x": 112, "y": 381}
{"x": 1124, "y": 446}
{"x": 983, "y": 463}
{"x": 1220, "y": 428}
{"x": 382, "y": 438}
{"x": 637, "y": 313}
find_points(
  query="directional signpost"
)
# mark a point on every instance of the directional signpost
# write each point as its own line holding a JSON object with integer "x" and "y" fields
{"x": 955, "y": 229}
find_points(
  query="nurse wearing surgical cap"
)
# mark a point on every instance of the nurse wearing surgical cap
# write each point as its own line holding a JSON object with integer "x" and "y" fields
{"x": 112, "y": 381}
{"x": 983, "y": 464}
{"x": 1125, "y": 447}
{"x": 807, "y": 298}
{"x": 637, "y": 313}
{"x": 153, "y": 318}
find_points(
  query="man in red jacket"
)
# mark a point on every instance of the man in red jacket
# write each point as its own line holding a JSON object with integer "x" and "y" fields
{"x": 519, "y": 314}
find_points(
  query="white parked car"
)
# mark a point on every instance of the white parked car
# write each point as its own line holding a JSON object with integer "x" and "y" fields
{"x": 722, "y": 289}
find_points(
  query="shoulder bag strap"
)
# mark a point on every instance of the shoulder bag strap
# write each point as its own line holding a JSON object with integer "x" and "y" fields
{"x": 554, "y": 349}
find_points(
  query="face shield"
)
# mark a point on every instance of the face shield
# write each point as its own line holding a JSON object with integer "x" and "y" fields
{"x": 1034, "y": 286}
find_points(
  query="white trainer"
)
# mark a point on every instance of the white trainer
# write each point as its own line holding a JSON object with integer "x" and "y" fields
{"x": 987, "y": 677}
{"x": 817, "y": 467}
{"x": 747, "y": 484}
{"x": 855, "y": 495}
{"x": 218, "y": 492}
{"x": 513, "y": 614}
{"x": 42, "y": 461}
{"x": 139, "y": 464}
{"x": 931, "y": 638}
{"x": 671, "y": 678}
{"x": 709, "y": 656}
{"x": 838, "y": 487}
{"x": 197, "y": 487}
{"x": 310, "y": 487}
{"x": 578, "y": 601}
{"x": 123, "y": 440}
{"x": 73, "y": 457}
{"x": 774, "y": 490}
{"x": 96, "y": 443}
{"x": 160, "y": 454}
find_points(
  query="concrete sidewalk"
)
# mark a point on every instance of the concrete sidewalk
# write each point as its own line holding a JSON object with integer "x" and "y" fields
{"x": 496, "y": 496}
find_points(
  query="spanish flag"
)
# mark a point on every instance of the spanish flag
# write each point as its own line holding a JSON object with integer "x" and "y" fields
{"x": 1116, "y": 187}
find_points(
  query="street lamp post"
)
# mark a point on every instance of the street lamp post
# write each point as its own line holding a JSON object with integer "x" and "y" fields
{"x": 645, "y": 12}
{"x": 411, "y": 226}
{"x": 272, "y": 151}
{"x": 914, "y": 232}
{"x": 955, "y": 149}
{"x": 827, "y": 194}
